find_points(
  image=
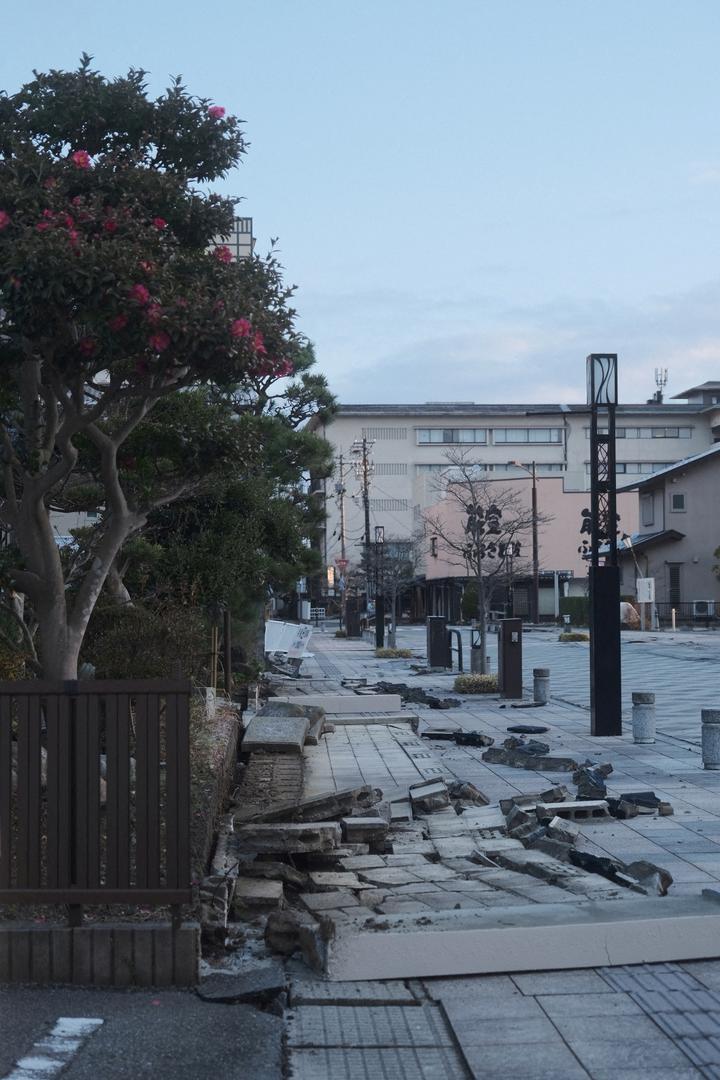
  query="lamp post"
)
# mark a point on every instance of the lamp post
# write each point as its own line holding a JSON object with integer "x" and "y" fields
{"x": 605, "y": 675}
{"x": 379, "y": 597}
{"x": 535, "y": 553}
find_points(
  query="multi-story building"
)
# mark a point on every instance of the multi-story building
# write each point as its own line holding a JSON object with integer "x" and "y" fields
{"x": 408, "y": 447}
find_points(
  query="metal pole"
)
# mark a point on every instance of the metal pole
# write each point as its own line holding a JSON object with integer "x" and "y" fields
{"x": 227, "y": 650}
{"x": 366, "y": 508}
{"x": 536, "y": 557}
{"x": 341, "y": 494}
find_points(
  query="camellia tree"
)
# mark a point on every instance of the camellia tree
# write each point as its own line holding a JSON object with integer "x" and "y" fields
{"x": 114, "y": 302}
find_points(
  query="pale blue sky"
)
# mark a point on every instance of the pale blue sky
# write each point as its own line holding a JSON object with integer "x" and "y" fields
{"x": 471, "y": 195}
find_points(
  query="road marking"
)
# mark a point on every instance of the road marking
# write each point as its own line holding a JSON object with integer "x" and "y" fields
{"x": 53, "y": 1052}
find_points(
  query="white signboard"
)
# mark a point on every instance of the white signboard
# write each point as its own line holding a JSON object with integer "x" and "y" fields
{"x": 645, "y": 587}
{"x": 288, "y": 638}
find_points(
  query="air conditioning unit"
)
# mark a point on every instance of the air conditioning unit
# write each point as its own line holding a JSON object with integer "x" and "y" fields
{"x": 703, "y": 608}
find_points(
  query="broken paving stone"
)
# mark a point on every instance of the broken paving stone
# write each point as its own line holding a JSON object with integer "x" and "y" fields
{"x": 652, "y": 878}
{"x": 519, "y": 760}
{"x": 215, "y": 894}
{"x": 331, "y": 881}
{"x": 324, "y": 807}
{"x": 561, "y": 829}
{"x": 323, "y": 901}
{"x": 473, "y": 738}
{"x": 527, "y": 746}
{"x": 389, "y": 875}
{"x": 400, "y": 812}
{"x": 275, "y": 734}
{"x": 363, "y": 828}
{"x": 549, "y": 845}
{"x": 467, "y": 792}
{"x": 260, "y": 983}
{"x": 527, "y": 729}
{"x": 253, "y": 895}
{"x": 612, "y": 869}
{"x": 275, "y": 871}
{"x": 290, "y": 837}
{"x": 520, "y": 824}
{"x": 590, "y": 780}
{"x": 647, "y": 802}
{"x": 362, "y": 862}
{"x": 429, "y": 795}
{"x": 283, "y": 930}
{"x": 439, "y": 734}
{"x": 622, "y": 809}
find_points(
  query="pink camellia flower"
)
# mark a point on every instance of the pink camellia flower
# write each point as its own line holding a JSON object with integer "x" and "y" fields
{"x": 49, "y": 214}
{"x": 258, "y": 344}
{"x": 86, "y": 346}
{"x": 118, "y": 323}
{"x": 81, "y": 158}
{"x": 110, "y": 226}
{"x": 4, "y": 219}
{"x": 240, "y": 328}
{"x": 51, "y": 182}
{"x": 159, "y": 223}
{"x": 223, "y": 254}
{"x": 159, "y": 342}
{"x": 73, "y": 237}
{"x": 153, "y": 312}
{"x": 77, "y": 200}
{"x": 216, "y": 111}
{"x": 140, "y": 293}
{"x": 284, "y": 368}
{"x": 42, "y": 226}
{"x": 146, "y": 266}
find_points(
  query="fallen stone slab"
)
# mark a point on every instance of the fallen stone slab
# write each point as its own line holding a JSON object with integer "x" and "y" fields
{"x": 291, "y": 837}
{"x": 333, "y": 880}
{"x": 325, "y": 901}
{"x": 527, "y": 729}
{"x": 621, "y": 809}
{"x": 416, "y": 695}
{"x": 339, "y": 704}
{"x": 534, "y": 937}
{"x": 400, "y": 812}
{"x": 527, "y": 746}
{"x": 386, "y": 719}
{"x": 429, "y": 795}
{"x": 518, "y": 760}
{"x": 652, "y": 878}
{"x": 334, "y": 804}
{"x": 360, "y": 829}
{"x": 285, "y": 928}
{"x": 612, "y": 869}
{"x": 274, "y": 871}
{"x": 275, "y": 735}
{"x": 473, "y": 738}
{"x": 261, "y": 983}
{"x": 581, "y": 810}
{"x": 283, "y": 707}
{"x": 464, "y": 791}
{"x": 315, "y": 731}
{"x": 561, "y": 829}
{"x": 439, "y": 734}
{"x": 254, "y": 895}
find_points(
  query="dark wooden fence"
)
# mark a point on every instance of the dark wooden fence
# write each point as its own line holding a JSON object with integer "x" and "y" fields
{"x": 95, "y": 792}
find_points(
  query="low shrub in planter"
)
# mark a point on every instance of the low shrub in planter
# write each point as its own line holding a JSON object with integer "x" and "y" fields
{"x": 476, "y": 684}
{"x": 340, "y": 633}
{"x": 574, "y": 635}
{"x": 394, "y": 654}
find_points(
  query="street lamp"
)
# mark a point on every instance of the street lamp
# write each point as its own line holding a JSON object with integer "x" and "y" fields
{"x": 535, "y": 554}
{"x": 379, "y": 597}
{"x": 605, "y": 674}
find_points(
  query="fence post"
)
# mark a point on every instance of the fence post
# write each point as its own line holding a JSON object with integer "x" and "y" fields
{"x": 541, "y": 685}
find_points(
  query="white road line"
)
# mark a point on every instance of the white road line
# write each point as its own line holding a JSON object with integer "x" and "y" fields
{"x": 54, "y": 1051}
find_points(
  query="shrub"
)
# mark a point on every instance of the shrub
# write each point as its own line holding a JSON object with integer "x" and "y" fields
{"x": 136, "y": 642}
{"x": 340, "y": 633}
{"x": 393, "y": 654}
{"x": 476, "y": 684}
{"x": 577, "y": 607}
{"x": 574, "y": 636}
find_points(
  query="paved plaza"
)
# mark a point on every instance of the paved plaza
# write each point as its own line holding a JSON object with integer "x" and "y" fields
{"x": 660, "y": 1020}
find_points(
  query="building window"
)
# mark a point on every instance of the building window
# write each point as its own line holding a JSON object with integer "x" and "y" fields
{"x": 389, "y": 504}
{"x": 674, "y": 589}
{"x": 451, "y": 435}
{"x": 384, "y": 433}
{"x": 646, "y": 432}
{"x": 647, "y": 510}
{"x": 527, "y": 435}
{"x": 390, "y": 468}
{"x": 677, "y": 503}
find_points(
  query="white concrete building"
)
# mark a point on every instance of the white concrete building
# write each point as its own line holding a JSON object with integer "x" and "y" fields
{"x": 408, "y": 446}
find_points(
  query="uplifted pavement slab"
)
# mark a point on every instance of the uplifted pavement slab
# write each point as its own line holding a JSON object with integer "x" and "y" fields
{"x": 368, "y": 1025}
{"x": 381, "y": 1063}
{"x": 261, "y": 983}
{"x": 533, "y": 937}
{"x": 307, "y": 992}
{"x": 275, "y": 734}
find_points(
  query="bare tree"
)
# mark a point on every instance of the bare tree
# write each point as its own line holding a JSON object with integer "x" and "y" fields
{"x": 482, "y": 527}
{"x": 394, "y": 567}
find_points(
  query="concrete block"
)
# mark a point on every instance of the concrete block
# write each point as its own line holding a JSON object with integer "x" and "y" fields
{"x": 325, "y": 807}
{"x": 292, "y": 837}
{"x": 581, "y": 810}
{"x": 275, "y": 734}
{"x": 363, "y": 828}
{"x": 536, "y": 937}
{"x": 254, "y": 895}
{"x": 400, "y": 812}
{"x": 102, "y": 955}
{"x": 560, "y": 829}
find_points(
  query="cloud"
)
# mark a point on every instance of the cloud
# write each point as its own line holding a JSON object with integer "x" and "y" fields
{"x": 478, "y": 348}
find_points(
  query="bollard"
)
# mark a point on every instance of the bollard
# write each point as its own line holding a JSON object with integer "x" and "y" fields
{"x": 541, "y": 685}
{"x": 643, "y": 718}
{"x": 711, "y": 738}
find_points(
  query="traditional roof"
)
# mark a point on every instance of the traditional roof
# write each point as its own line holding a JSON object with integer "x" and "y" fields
{"x": 671, "y": 470}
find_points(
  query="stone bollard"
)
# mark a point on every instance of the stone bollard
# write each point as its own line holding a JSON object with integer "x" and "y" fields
{"x": 643, "y": 718}
{"x": 541, "y": 685}
{"x": 711, "y": 738}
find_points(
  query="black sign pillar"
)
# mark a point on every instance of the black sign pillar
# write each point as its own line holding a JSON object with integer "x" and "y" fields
{"x": 605, "y": 676}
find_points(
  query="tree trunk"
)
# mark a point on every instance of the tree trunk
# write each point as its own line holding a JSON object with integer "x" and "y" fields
{"x": 482, "y": 619}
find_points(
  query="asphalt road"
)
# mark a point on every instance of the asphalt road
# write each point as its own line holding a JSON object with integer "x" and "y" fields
{"x": 145, "y": 1034}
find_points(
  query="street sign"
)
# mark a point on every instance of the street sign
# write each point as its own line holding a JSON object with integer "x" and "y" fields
{"x": 645, "y": 590}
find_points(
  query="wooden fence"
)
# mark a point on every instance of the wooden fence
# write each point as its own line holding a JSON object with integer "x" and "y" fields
{"x": 95, "y": 792}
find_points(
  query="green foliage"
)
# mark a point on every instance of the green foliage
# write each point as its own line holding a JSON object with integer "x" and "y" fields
{"x": 475, "y": 684}
{"x": 136, "y": 642}
{"x": 577, "y": 607}
{"x": 574, "y": 636}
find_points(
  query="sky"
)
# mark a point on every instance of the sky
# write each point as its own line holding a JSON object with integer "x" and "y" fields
{"x": 470, "y": 195}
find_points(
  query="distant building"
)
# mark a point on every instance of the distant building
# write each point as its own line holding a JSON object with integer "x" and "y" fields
{"x": 408, "y": 445}
{"x": 240, "y": 241}
{"x": 677, "y": 536}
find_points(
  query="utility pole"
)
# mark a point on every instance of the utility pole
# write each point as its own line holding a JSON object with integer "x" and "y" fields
{"x": 342, "y": 563}
{"x": 363, "y": 468}
{"x": 535, "y": 552}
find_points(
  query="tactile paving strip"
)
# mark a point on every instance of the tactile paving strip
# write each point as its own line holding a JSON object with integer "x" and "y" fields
{"x": 349, "y": 1026}
{"x": 350, "y": 993}
{"x": 439, "y": 1063}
